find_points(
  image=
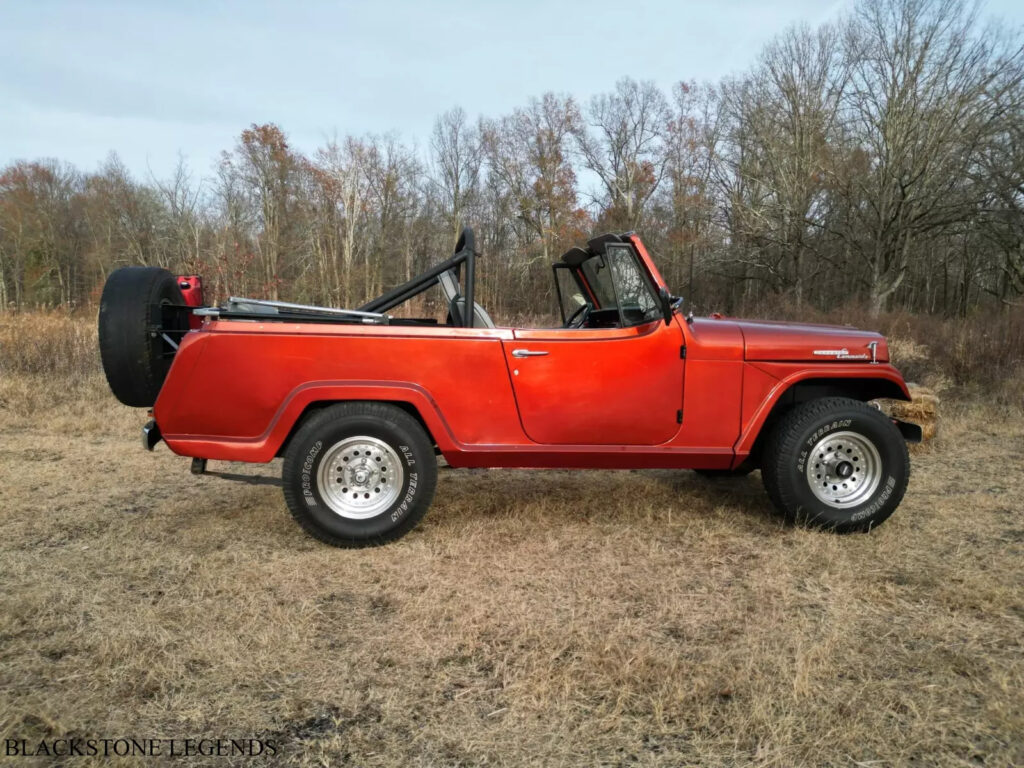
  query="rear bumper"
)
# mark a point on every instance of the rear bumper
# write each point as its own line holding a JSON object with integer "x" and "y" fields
{"x": 151, "y": 435}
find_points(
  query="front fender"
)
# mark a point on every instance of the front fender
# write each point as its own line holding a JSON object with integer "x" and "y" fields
{"x": 766, "y": 383}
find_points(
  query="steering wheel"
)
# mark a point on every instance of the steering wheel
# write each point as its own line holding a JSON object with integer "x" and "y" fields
{"x": 582, "y": 313}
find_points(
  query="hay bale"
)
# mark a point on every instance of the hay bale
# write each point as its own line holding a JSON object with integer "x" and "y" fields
{"x": 923, "y": 409}
{"x": 929, "y": 430}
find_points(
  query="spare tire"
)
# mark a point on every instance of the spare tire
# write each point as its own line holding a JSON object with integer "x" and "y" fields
{"x": 135, "y": 355}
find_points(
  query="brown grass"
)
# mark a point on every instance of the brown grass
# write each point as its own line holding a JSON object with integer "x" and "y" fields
{"x": 533, "y": 618}
{"x": 49, "y": 343}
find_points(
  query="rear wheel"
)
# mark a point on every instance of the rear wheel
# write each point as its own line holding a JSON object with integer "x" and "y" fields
{"x": 836, "y": 463}
{"x": 136, "y": 357}
{"x": 359, "y": 474}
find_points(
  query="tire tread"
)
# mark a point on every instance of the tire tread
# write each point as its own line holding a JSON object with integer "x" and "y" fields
{"x": 782, "y": 445}
{"x": 317, "y": 421}
{"x": 126, "y": 348}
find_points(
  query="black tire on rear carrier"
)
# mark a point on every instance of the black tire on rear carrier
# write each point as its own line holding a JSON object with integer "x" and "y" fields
{"x": 135, "y": 359}
{"x": 836, "y": 463}
{"x": 359, "y": 474}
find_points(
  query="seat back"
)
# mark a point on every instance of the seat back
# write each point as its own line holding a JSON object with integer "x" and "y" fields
{"x": 480, "y": 317}
{"x": 457, "y": 303}
{"x": 449, "y": 284}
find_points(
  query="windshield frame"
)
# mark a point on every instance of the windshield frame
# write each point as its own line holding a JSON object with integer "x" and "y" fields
{"x": 603, "y": 291}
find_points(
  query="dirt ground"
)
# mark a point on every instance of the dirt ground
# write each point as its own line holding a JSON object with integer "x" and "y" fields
{"x": 534, "y": 618}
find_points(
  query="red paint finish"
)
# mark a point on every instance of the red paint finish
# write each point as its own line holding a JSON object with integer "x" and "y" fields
{"x": 714, "y": 386}
{"x": 191, "y": 287}
{"x": 255, "y": 379}
{"x": 769, "y": 381}
{"x": 813, "y": 343}
{"x": 616, "y": 386}
{"x": 601, "y": 398}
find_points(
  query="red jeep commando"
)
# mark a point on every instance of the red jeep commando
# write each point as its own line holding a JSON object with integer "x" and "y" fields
{"x": 359, "y": 402}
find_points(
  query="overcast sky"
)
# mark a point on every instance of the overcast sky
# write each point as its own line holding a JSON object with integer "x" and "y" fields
{"x": 152, "y": 79}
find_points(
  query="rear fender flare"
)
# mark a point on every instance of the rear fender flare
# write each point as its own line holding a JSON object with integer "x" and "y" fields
{"x": 302, "y": 398}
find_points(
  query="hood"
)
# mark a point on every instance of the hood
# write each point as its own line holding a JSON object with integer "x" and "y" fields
{"x": 808, "y": 342}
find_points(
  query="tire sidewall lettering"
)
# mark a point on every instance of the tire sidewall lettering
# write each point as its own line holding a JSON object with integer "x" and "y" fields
{"x": 878, "y": 502}
{"x": 407, "y": 454}
{"x": 820, "y": 432}
{"x": 309, "y": 493}
{"x": 410, "y": 495}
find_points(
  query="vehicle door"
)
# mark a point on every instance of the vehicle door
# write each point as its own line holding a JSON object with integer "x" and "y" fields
{"x": 617, "y": 385}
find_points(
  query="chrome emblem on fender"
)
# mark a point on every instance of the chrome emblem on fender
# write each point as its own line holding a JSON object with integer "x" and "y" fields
{"x": 844, "y": 353}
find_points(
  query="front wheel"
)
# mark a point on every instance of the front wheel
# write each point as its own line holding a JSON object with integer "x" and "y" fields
{"x": 359, "y": 474}
{"x": 836, "y": 463}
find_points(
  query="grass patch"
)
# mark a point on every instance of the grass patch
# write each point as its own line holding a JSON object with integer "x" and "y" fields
{"x": 554, "y": 618}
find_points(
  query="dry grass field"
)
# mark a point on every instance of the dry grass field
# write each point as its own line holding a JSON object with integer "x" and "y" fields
{"x": 534, "y": 618}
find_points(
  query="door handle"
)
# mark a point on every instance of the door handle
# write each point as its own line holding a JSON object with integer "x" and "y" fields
{"x": 528, "y": 353}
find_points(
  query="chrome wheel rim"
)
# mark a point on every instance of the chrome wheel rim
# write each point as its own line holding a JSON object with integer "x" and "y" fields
{"x": 360, "y": 477}
{"x": 844, "y": 469}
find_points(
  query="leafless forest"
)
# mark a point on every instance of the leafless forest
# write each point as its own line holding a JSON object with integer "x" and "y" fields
{"x": 875, "y": 162}
{"x": 869, "y": 171}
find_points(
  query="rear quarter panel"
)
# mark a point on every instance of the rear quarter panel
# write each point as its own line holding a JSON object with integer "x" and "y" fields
{"x": 236, "y": 388}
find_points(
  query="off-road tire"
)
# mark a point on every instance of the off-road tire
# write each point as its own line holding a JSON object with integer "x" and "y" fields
{"x": 321, "y": 433}
{"x": 786, "y": 464}
{"x": 134, "y": 360}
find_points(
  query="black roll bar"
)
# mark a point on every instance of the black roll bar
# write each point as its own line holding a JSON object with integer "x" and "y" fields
{"x": 466, "y": 239}
{"x": 465, "y": 253}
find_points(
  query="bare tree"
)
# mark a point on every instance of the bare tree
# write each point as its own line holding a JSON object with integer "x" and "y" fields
{"x": 687, "y": 201}
{"x": 456, "y": 159}
{"x": 919, "y": 105}
{"x": 393, "y": 174}
{"x": 269, "y": 168}
{"x": 342, "y": 168}
{"x": 623, "y": 143}
{"x": 181, "y": 199}
{"x": 528, "y": 154}
{"x": 782, "y": 117}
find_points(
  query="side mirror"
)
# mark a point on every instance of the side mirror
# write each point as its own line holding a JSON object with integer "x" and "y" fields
{"x": 666, "y": 304}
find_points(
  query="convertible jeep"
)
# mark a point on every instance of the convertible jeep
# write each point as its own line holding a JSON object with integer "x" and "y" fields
{"x": 360, "y": 402}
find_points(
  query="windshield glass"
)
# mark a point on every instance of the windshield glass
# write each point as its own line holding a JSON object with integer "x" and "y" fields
{"x": 570, "y": 295}
{"x": 618, "y": 282}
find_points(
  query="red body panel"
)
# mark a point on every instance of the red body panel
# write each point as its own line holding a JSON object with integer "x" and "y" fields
{"x": 768, "y": 381}
{"x": 602, "y": 398}
{"x": 800, "y": 341}
{"x": 616, "y": 386}
{"x": 191, "y": 287}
